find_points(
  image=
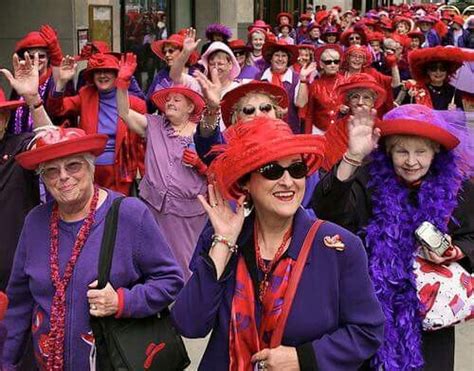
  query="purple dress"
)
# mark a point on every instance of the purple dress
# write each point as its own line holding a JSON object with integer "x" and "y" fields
{"x": 170, "y": 189}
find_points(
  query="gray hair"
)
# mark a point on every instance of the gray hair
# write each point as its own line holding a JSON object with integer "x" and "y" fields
{"x": 86, "y": 156}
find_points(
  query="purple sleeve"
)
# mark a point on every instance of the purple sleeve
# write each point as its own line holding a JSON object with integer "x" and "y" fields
{"x": 20, "y": 307}
{"x": 162, "y": 277}
{"x": 362, "y": 321}
{"x": 134, "y": 89}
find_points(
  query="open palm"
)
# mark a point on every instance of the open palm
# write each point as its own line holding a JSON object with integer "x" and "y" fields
{"x": 25, "y": 77}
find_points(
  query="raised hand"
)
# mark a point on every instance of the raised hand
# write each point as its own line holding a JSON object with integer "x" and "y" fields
{"x": 67, "y": 70}
{"x": 128, "y": 65}
{"x": 54, "y": 48}
{"x": 25, "y": 77}
{"x": 307, "y": 70}
{"x": 210, "y": 89}
{"x": 190, "y": 44}
{"x": 363, "y": 135}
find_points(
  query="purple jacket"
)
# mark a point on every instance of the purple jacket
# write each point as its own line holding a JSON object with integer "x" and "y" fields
{"x": 143, "y": 266}
{"x": 335, "y": 321}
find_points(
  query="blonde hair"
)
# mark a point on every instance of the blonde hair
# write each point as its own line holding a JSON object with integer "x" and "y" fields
{"x": 280, "y": 112}
{"x": 331, "y": 53}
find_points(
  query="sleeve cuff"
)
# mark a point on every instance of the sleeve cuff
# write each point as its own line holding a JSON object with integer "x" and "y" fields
{"x": 306, "y": 357}
{"x": 121, "y": 303}
{"x": 212, "y": 267}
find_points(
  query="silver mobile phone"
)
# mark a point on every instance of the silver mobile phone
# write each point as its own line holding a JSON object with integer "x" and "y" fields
{"x": 432, "y": 238}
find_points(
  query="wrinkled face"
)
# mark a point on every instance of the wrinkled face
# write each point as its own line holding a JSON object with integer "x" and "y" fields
{"x": 304, "y": 56}
{"x": 42, "y": 56}
{"x": 315, "y": 33}
{"x": 355, "y": 39}
{"x": 221, "y": 62}
{"x": 356, "y": 61}
{"x": 277, "y": 198}
{"x": 331, "y": 39}
{"x": 437, "y": 73}
{"x": 402, "y": 28}
{"x": 279, "y": 61}
{"x": 425, "y": 26}
{"x": 253, "y": 105}
{"x": 258, "y": 39}
{"x": 4, "y": 117}
{"x": 360, "y": 98}
{"x": 284, "y": 20}
{"x": 170, "y": 52}
{"x": 330, "y": 62}
{"x": 375, "y": 44}
{"x": 178, "y": 108}
{"x": 104, "y": 80}
{"x": 69, "y": 179}
{"x": 415, "y": 43}
{"x": 412, "y": 157}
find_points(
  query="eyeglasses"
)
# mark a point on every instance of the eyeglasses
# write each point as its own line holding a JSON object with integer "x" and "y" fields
{"x": 71, "y": 168}
{"x": 169, "y": 50}
{"x": 354, "y": 38}
{"x": 274, "y": 171}
{"x": 218, "y": 64}
{"x": 437, "y": 67}
{"x": 328, "y": 62}
{"x": 250, "y": 110}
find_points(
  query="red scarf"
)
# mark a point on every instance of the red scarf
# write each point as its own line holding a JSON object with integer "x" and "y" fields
{"x": 276, "y": 78}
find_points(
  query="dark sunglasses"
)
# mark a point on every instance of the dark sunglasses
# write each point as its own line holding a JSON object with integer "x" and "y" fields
{"x": 354, "y": 38}
{"x": 250, "y": 110}
{"x": 328, "y": 62}
{"x": 274, "y": 171}
{"x": 437, "y": 67}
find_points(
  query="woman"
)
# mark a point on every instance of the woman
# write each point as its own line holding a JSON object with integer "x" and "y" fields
{"x": 305, "y": 57}
{"x": 257, "y": 37}
{"x": 52, "y": 290}
{"x": 353, "y": 36}
{"x": 403, "y": 25}
{"x": 314, "y": 35}
{"x": 242, "y": 54}
{"x": 414, "y": 175}
{"x": 416, "y": 38}
{"x": 174, "y": 175}
{"x": 216, "y": 32}
{"x": 266, "y": 162}
{"x": 432, "y": 69}
{"x": 330, "y": 35}
{"x": 117, "y": 166}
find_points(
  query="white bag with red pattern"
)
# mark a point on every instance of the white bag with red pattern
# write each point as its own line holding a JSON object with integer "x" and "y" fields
{"x": 446, "y": 292}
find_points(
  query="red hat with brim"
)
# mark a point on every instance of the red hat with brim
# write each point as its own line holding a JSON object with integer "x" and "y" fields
{"x": 159, "y": 99}
{"x": 30, "y": 41}
{"x": 284, "y": 14}
{"x": 426, "y": 19}
{"x": 417, "y": 35}
{"x": 452, "y": 57}
{"x": 313, "y": 25}
{"x": 285, "y": 25}
{"x": 362, "y": 81}
{"x": 257, "y": 142}
{"x": 259, "y": 24}
{"x": 358, "y": 49}
{"x": 238, "y": 45}
{"x": 100, "y": 61}
{"x": 269, "y": 48}
{"x": 458, "y": 20}
{"x": 346, "y": 34}
{"x": 418, "y": 128}
{"x": 61, "y": 143}
{"x": 230, "y": 99}
{"x": 375, "y": 36}
{"x": 321, "y": 49}
{"x": 6, "y": 105}
{"x": 306, "y": 17}
{"x": 177, "y": 41}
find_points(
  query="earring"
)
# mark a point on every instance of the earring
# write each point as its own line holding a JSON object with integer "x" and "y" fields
{"x": 248, "y": 204}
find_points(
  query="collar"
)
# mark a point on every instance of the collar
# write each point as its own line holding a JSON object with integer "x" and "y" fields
{"x": 286, "y": 77}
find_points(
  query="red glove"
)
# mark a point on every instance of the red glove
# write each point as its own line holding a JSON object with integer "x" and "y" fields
{"x": 191, "y": 158}
{"x": 128, "y": 65}
{"x": 54, "y": 49}
{"x": 3, "y": 305}
{"x": 391, "y": 60}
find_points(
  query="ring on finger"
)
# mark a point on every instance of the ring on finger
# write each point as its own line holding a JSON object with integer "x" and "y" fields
{"x": 262, "y": 365}
{"x": 93, "y": 307}
{"x": 214, "y": 204}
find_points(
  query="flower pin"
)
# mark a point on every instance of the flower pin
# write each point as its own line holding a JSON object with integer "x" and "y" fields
{"x": 334, "y": 242}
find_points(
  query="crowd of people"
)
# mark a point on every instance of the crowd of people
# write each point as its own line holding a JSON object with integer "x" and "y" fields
{"x": 276, "y": 189}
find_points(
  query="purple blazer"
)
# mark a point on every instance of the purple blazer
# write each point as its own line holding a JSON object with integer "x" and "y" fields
{"x": 335, "y": 322}
{"x": 143, "y": 266}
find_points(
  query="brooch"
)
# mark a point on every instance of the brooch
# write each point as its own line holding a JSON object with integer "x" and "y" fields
{"x": 334, "y": 242}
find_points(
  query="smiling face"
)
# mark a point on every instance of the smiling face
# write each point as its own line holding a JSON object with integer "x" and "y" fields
{"x": 402, "y": 28}
{"x": 361, "y": 98}
{"x": 170, "y": 52}
{"x": 330, "y": 62}
{"x": 279, "y": 61}
{"x": 178, "y": 108}
{"x": 277, "y": 198}
{"x": 411, "y": 156}
{"x": 415, "y": 43}
{"x": 43, "y": 58}
{"x": 425, "y": 26}
{"x": 331, "y": 39}
{"x": 315, "y": 33}
{"x": 259, "y": 103}
{"x": 104, "y": 80}
{"x": 356, "y": 61}
{"x": 304, "y": 56}
{"x": 257, "y": 41}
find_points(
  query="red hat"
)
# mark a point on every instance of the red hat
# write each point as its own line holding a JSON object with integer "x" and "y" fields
{"x": 3, "y": 305}
{"x": 417, "y": 35}
{"x": 285, "y": 25}
{"x": 96, "y": 47}
{"x": 385, "y": 24}
{"x": 100, "y": 61}
{"x": 9, "y": 104}
{"x": 284, "y": 14}
{"x": 31, "y": 40}
{"x": 259, "y": 25}
{"x": 256, "y": 142}
{"x": 452, "y": 57}
{"x": 328, "y": 31}
{"x": 321, "y": 16}
{"x": 419, "y": 120}
{"x": 347, "y": 33}
{"x": 427, "y": 19}
{"x": 321, "y": 49}
{"x": 358, "y": 49}
{"x": 238, "y": 45}
{"x": 54, "y": 142}
{"x": 459, "y": 20}
{"x": 159, "y": 99}
{"x": 313, "y": 25}
{"x": 375, "y": 36}
{"x": 362, "y": 81}
{"x": 230, "y": 98}
{"x": 269, "y": 48}
{"x": 177, "y": 41}
{"x": 306, "y": 17}
{"x": 401, "y": 19}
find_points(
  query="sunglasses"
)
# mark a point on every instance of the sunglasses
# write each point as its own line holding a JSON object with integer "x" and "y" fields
{"x": 438, "y": 67}
{"x": 71, "y": 168}
{"x": 328, "y": 62}
{"x": 250, "y": 110}
{"x": 354, "y": 38}
{"x": 274, "y": 171}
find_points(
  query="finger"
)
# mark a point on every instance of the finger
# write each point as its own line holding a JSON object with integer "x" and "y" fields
{"x": 219, "y": 199}
{"x": 93, "y": 284}
{"x": 260, "y": 356}
{"x": 204, "y": 203}
{"x": 94, "y": 294}
{"x": 15, "y": 61}
{"x": 8, "y": 75}
{"x": 36, "y": 61}
{"x": 212, "y": 195}
{"x": 214, "y": 75}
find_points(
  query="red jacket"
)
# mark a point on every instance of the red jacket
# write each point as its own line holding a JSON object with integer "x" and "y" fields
{"x": 128, "y": 145}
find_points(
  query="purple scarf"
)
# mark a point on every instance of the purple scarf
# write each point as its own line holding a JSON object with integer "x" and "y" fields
{"x": 392, "y": 248}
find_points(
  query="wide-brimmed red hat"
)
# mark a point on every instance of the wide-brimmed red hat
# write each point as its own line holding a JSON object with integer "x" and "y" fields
{"x": 230, "y": 99}
{"x": 321, "y": 49}
{"x": 375, "y": 36}
{"x": 285, "y": 25}
{"x": 159, "y": 99}
{"x": 259, "y": 25}
{"x": 459, "y": 20}
{"x": 361, "y": 81}
{"x": 177, "y": 41}
{"x": 257, "y": 142}
{"x": 401, "y": 19}
{"x": 452, "y": 57}
{"x": 31, "y": 40}
{"x": 328, "y": 31}
{"x": 269, "y": 48}
{"x": 54, "y": 142}
{"x": 100, "y": 61}
{"x": 358, "y": 49}
{"x": 306, "y": 17}
{"x": 238, "y": 45}
{"x": 9, "y": 104}
{"x": 95, "y": 47}
{"x": 347, "y": 33}
{"x": 426, "y": 19}
{"x": 284, "y": 14}
{"x": 419, "y": 120}
{"x": 417, "y": 35}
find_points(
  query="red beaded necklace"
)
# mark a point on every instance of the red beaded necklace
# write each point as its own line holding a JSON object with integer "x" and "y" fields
{"x": 55, "y": 359}
{"x": 267, "y": 268}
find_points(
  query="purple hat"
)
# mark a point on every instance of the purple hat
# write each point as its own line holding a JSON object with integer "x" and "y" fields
{"x": 218, "y": 28}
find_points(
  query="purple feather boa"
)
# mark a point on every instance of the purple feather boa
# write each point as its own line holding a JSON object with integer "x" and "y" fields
{"x": 392, "y": 248}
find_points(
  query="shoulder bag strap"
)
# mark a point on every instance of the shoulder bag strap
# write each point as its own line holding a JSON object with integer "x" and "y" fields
{"x": 293, "y": 284}
{"x": 108, "y": 243}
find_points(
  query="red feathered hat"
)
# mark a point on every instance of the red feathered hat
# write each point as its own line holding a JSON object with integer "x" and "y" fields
{"x": 54, "y": 142}
{"x": 361, "y": 81}
{"x": 257, "y": 142}
{"x": 401, "y": 19}
{"x": 9, "y": 104}
{"x": 177, "y": 41}
{"x": 159, "y": 99}
{"x": 100, "y": 61}
{"x": 3, "y": 305}
{"x": 230, "y": 99}
{"x": 31, "y": 40}
{"x": 269, "y": 48}
{"x": 459, "y": 20}
{"x": 350, "y": 31}
{"x": 284, "y": 14}
{"x": 452, "y": 57}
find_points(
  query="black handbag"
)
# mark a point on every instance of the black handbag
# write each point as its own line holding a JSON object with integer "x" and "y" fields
{"x": 132, "y": 344}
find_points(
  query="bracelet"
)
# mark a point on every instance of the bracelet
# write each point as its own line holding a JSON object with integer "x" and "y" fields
{"x": 210, "y": 126}
{"x": 220, "y": 239}
{"x": 211, "y": 111}
{"x": 37, "y": 105}
{"x": 303, "y": 81}
{"x": 351, "y": 161}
